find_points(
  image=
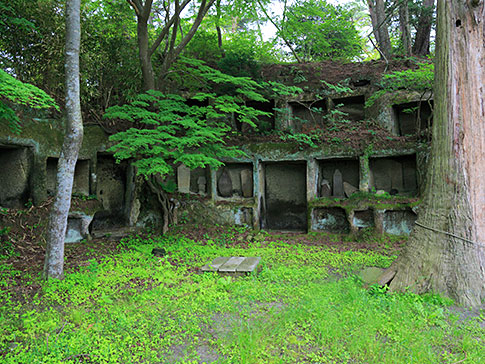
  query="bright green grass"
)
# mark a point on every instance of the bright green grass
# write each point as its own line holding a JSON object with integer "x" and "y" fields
{"x": 132, "y": 307}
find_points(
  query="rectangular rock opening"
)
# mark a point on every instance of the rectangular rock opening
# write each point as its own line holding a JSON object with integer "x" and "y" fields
{"x": 363, "y": 219}
{"x": 110, "y": 190}
{"x": 353, "y": 106}
{"x": 330, "y": 220}
{"x": 306, "y": 114}
{"x": 338, "y": 177}
{"x": 81, "y": 177}
{"x": 235, "y": 180}
{"x": 413, "y": 117}
{"x": 263, "y": 123}
{"x": 285, "y": 206}
{"x": 395, "y": 175}
{"x": 15, "y": 186}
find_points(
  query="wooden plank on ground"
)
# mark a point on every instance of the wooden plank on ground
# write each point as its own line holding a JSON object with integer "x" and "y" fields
{"x": 231, "y": 265}
{"x": 248, "y": 265}
{"x": 215, "y": 264}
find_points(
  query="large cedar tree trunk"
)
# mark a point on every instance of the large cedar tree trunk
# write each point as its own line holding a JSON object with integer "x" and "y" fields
{"x": 54, "y": 259}
{"x": 446, "y": 251}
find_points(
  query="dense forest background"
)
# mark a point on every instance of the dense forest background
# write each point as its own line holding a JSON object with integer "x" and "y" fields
{"x": 130, "y": 46}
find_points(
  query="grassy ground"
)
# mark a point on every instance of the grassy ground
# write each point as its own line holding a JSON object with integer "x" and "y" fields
{"x": 305, "y": 306}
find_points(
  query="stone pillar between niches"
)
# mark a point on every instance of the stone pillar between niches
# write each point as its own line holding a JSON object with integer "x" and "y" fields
{"x": 379, "y": 221}
{"x": 213, "y": 183}
{"x": 311, "y": 179}
{"x": 257, "y": 193}
{"x": 364, "y": 173}
{"x": 260, "y": 195}
{"x": 93, "y": 176}
{"x": 38, "y": 181}
{"x": 283, "y": 116}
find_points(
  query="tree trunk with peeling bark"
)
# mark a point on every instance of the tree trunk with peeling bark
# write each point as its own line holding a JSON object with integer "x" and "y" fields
{"x": 446, "y": 251}
{"x": 54, "y": 259}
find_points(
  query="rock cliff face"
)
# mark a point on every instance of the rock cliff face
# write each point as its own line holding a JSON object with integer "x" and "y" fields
{"x": 318, "y": 166}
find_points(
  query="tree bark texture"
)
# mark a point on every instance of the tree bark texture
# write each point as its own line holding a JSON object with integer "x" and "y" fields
{"x": 54, "y": 259}
{"x": 423, "y": 30}
{"x": 453, "y": 263}
{"x": 405, "y": 28}
{"x": 380, "y": 26}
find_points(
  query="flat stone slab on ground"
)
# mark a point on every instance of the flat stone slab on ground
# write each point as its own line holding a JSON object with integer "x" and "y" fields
{"x": 232, "y": 265}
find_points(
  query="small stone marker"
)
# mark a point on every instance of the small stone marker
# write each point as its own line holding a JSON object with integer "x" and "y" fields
{"x": 201, "y": 184}
{"x": 349, "y": 189}
{"x": 338, "y": 186}
{"x": 183, "y": 178}
{"x": 247, "y": 182}
{"x": 224, "y": 184}
{"x": 233, "y": 265}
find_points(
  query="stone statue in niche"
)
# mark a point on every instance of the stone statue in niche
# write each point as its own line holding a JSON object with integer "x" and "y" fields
{"x": 338, "y": 186}
{"x": 325, "y": 189}
{"x": 201, "y": 184}
{"x": 224, "y": 184}
{"x": 247, "y": 183}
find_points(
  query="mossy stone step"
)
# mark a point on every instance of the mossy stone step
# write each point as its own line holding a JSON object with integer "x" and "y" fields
{"x": 233, "y": 265}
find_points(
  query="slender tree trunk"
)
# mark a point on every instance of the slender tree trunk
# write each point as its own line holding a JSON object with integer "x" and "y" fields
{"x": 423, "y": 30}
{"x": 446, "y": 251}
{"x": 380, "y": 26}
{"x": 144, "y": 54}
{"x": 54, "y": 259}
{"x": 405, "y": 28}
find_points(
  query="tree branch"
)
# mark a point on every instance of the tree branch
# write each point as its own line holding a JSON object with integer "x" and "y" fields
{"x": 164, "y": 32}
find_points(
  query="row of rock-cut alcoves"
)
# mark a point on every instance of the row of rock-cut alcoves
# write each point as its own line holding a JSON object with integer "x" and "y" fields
{"x": 339, "y": 221}
{"x": 406, "y": 118}
{"x": 105, "y": 179}
{"x": 336, "y": 177}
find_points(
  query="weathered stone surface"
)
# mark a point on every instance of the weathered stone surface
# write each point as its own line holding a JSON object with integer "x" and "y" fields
{"x": 363, "y": 219}
{"x": 380, "y": 192}
{"x": 247, "y": 183}
{"x": 338, "y": 186}
{"x": 325, "y": 189}
{"x": 134, "y": 212}
{"x": 231, "y": 265}
{"x": 215, "y": 264}
{"x": 248, "y": 265}
{"x": 224, "y": 184}
{"x": 183, "y": 178}
{"x": 349, "y": 189}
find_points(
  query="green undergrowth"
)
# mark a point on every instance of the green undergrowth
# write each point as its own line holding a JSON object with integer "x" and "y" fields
{"x": 304, "y": 306}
